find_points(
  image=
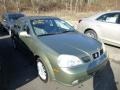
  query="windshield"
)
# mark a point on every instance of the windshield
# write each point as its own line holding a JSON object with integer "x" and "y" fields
{"x": 15, "y": 16}
{"x": 50, "y": 26}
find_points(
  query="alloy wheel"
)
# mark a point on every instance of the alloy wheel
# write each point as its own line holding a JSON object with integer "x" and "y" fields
{"x": 42, "y": 72}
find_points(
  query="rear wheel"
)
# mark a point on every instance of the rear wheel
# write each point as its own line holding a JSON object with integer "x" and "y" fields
{"x": 92, "y": 34}
{"x": 42, "y": 72}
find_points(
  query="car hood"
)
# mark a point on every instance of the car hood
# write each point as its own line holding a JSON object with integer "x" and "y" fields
{"x": 72, "y": 43}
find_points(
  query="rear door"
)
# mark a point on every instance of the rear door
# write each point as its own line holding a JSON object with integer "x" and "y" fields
{"x": 110, "y": 27}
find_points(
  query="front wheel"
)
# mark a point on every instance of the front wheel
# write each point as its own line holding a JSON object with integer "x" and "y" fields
{"x": 42, "y": 72}
{"x": 92, "y": 34}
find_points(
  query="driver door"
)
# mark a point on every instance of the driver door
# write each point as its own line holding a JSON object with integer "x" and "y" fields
{"x": 25, "y": 37}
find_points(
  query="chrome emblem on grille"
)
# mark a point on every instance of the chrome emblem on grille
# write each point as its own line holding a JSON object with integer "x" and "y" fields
{"x": 96, "y": 55}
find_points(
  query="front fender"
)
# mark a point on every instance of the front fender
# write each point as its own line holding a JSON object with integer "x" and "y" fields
{"x": 48, "y": 57}
{"x": 48, "y": 66}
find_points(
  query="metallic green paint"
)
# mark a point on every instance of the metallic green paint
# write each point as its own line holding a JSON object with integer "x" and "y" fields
{"x": 48, "y": 48}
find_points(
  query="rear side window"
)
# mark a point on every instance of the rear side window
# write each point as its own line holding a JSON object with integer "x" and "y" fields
{"x": 109, "y": 18}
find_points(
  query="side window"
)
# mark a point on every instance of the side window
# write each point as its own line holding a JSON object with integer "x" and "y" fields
{"x": 109, "y": 18}
{"x": 118, "y": 20}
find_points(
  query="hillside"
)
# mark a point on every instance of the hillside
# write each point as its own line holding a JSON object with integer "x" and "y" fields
{"x": 38, "y": 6}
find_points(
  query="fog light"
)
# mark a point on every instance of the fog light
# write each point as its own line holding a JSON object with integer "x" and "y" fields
{"x": 75, "y": 82}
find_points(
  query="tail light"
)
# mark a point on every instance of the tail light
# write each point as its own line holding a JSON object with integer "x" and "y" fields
{"x": 79, "y": 21}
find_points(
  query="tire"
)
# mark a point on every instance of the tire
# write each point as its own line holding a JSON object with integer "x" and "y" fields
{"x": 92, "y": 34}
{"x": 42, "y": 71}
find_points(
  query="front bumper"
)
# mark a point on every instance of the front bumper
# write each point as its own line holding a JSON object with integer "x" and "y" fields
{"x": 75, "y": 75}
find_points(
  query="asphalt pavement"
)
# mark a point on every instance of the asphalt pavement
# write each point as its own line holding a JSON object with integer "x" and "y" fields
{"x": 22, "y": 71}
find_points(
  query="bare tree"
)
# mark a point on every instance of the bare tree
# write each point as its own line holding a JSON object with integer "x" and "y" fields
{"x": 71, "y": 5}
{"x": 18, "y": 5}
{"x": 89, "y": 2}
{"x": 66, "y": 4}
{"x": 4, "y": 5}
{"x": 76, "y": 5}
{"x": 116, "y": 3}
{"x": 33, "y": 5}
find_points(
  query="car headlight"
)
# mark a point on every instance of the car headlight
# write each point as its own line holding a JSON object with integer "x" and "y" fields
{"x": 68, "y": 61}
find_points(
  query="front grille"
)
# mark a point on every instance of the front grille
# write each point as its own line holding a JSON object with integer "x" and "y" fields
{"x": 97, "y": 54}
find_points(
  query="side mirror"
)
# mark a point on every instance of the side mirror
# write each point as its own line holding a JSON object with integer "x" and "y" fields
{"x": 27, "y": 29}
{"x": 24, "y": 34}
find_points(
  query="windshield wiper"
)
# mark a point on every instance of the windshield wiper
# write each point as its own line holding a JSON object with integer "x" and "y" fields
{"x": 65, "y": 31}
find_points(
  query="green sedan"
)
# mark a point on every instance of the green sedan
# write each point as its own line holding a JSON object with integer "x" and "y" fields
{"x": 62, "y": 53}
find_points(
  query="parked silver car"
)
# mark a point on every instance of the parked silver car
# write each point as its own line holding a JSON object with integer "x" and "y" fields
{"x": 103, "y": 26}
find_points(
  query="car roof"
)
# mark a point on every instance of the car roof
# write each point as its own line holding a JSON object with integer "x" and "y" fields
{"x": 102, "y": 13}
{"x": 115, "y": 11}
{"x": 37, "y": 17}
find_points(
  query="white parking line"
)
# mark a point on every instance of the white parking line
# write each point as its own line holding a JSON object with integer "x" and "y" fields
{"x": 3, "y": 37}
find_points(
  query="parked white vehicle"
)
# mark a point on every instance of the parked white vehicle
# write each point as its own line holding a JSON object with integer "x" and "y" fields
{"x": 103, "y": 26}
